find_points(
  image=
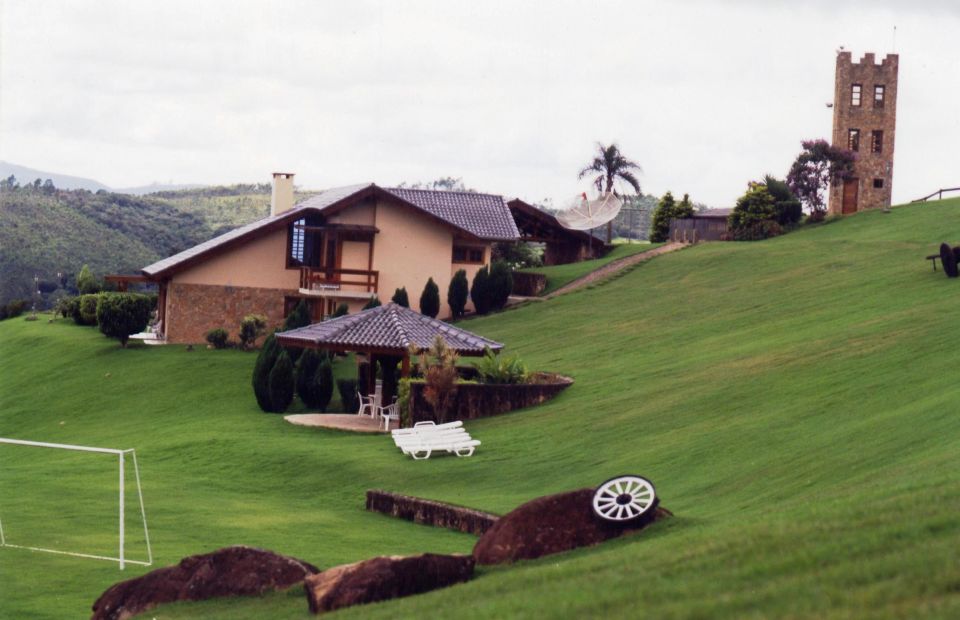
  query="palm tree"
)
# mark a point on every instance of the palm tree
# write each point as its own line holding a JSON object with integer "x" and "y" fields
{"x": 609, "y": 164}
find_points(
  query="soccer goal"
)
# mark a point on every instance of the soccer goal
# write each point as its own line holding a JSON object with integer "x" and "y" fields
{"x": 60, "y": 499}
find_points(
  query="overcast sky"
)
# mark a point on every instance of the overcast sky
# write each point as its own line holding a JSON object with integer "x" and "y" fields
{"x": 510, "y": 96}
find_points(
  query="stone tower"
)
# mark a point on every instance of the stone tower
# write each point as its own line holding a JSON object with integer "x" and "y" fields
{"x": 864, "y": 121}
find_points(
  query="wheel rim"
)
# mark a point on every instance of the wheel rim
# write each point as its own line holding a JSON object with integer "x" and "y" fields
{"x": 623, "y": 498}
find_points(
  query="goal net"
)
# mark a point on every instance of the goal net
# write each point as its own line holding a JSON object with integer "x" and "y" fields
{"x": 80, "y": 501}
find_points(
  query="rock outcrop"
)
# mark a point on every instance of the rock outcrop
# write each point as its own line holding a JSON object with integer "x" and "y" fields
{"x": 232, "y": 571}
{"x": 552, "y": 524}
{"x": 382, "y": 578}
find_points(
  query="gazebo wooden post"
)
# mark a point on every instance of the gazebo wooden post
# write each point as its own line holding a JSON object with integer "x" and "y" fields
{"x": 371, "y": 374}
{"x": 405, "y": 366}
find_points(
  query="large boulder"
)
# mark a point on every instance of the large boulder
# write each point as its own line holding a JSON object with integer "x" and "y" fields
{"x": 232, "y": 571}
{"x": 382, "y": 578}
{"x": 552, "y": 524}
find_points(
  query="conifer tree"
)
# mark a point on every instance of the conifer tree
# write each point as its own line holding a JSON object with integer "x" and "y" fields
{"x": 457, "y": 293}
{"x": 430, "y": 299}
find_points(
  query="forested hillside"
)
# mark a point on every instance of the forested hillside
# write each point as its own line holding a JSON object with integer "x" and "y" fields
{"x": 45, "y": 231}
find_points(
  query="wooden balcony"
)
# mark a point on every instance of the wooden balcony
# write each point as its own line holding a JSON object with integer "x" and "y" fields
{"x": 344, "y": 283}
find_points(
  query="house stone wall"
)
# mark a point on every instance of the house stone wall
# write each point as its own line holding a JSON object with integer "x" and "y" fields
{"x": 867, "y": 118}
{"x": 194, "y": 309}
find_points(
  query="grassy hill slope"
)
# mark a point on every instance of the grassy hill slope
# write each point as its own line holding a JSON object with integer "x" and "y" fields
{"x": 794, "y": 400}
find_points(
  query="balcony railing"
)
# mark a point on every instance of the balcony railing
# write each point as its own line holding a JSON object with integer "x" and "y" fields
{"x": 320, "y": 278}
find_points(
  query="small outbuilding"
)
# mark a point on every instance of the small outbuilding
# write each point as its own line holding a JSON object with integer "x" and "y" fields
{"x": 709, "y": 225}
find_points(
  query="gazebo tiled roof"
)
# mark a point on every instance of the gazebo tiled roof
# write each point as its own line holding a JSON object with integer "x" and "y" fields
{"x": 388, "y": 329}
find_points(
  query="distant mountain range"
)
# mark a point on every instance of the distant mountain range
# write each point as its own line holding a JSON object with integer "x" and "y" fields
{"x": 65, "y": 181}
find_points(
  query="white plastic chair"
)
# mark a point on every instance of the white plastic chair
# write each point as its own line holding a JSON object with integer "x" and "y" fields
{"x": 388, "y": 413}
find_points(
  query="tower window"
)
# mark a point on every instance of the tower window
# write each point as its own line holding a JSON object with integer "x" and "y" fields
{"x": 876, "y": 141}
{"x": 878, "y": 92}
{"x": 856, "y": 91}
{"x": 878, "y": 184}
{"x": 853, "y": 139}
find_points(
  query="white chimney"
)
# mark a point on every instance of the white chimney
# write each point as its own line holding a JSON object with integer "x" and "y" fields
{"x": 282, "y": 198}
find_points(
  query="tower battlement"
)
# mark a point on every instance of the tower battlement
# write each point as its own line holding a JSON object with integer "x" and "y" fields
{"x": 864, "y": 121}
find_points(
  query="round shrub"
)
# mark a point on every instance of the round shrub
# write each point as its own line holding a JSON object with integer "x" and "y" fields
{"x": 949, "y": 261}
{"x": 218, "y": 338}
{"x": 120, "y": 315}
{"x": 251, "y": 327}
{"x": 754, "y": 216}
{"x": 86, "y": 313}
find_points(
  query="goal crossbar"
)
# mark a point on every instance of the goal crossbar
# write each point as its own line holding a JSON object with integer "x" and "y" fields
{"x": 121, "y": 559}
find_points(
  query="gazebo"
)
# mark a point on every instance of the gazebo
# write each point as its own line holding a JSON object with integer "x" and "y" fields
{"x": 387, "y": 332}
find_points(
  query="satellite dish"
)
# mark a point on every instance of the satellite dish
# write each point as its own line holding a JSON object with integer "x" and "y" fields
{"x": 585, "y": 214}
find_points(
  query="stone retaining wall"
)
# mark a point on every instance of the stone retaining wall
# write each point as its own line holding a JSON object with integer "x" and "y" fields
{"x": 430, "y": 512}
{"x": 528, "y": 284}
{"x": 480, "y": 400}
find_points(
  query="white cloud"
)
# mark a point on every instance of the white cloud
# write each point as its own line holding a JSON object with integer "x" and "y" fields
{"x": 510, "y": 96}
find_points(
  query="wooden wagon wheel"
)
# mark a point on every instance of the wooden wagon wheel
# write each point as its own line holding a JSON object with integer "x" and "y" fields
{"x": 624, "y": 498}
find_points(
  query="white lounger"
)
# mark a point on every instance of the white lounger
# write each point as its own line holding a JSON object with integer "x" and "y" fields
{"x": 426, "y": 438}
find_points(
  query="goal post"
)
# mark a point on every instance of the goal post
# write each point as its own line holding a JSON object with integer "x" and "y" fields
{"x": 6, "y": 537}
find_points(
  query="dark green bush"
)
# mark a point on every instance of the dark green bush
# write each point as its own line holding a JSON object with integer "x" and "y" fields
{"x": 494, "y": 368}
{"x": 281, "y": 383}
{"x": 400, "y": 297}
{"x": 500, "y": 284}
{"x": 348, "y": 395}
{"x": 251, "y": 327}
{"x": 87, "y": 284}
{"x": 457, "y": 293}
{"x": 342, "y": 310}
{"x": 480, "y": 291}
{"x": 218, "y": 338}
{"x": 786, "y": 206}
{"x": 64, "y": 306}
{"x": 430, "y": 299}
{"x": 660, "y": 224}
{"x": 261, "y": 371}
{"x": 300, "y": 317}
{"x": 14, "y": 308}
{"x": 315, "y": 379}
{"x": 120, "y": 315}
{"x": 373, "y": 303}
{"x": 754, "y": 216}
{"x": 86, "y": 313}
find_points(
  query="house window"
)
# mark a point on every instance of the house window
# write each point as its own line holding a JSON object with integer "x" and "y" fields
{"x": 467, "y": 254}
{"x": 853, "y": 139}
{"x": 878, "y": 96}
{"x": 306, "y": 245}
{"x": 876, "y": 141}
{"x": 878, "y": 184}
{"x": 856, "y": 91}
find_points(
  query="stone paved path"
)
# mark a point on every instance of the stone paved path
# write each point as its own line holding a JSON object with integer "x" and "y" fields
{"x": 613, "y": 267}
{"x": 339, "y": 421}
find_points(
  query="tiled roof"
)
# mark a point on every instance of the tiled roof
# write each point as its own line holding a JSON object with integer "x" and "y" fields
{"x": 714, "y": 213}
{"x": 389, "y": 326}
{"x": 320, "y": 201}
{"x": 483, "y": 215}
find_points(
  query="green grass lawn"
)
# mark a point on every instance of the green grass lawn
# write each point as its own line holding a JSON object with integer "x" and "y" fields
{"x": 561, "y": 275}
{"x": 794, "y": 400}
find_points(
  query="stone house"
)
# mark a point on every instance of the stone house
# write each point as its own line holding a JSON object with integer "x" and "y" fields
{"x": 343, "y": 245}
